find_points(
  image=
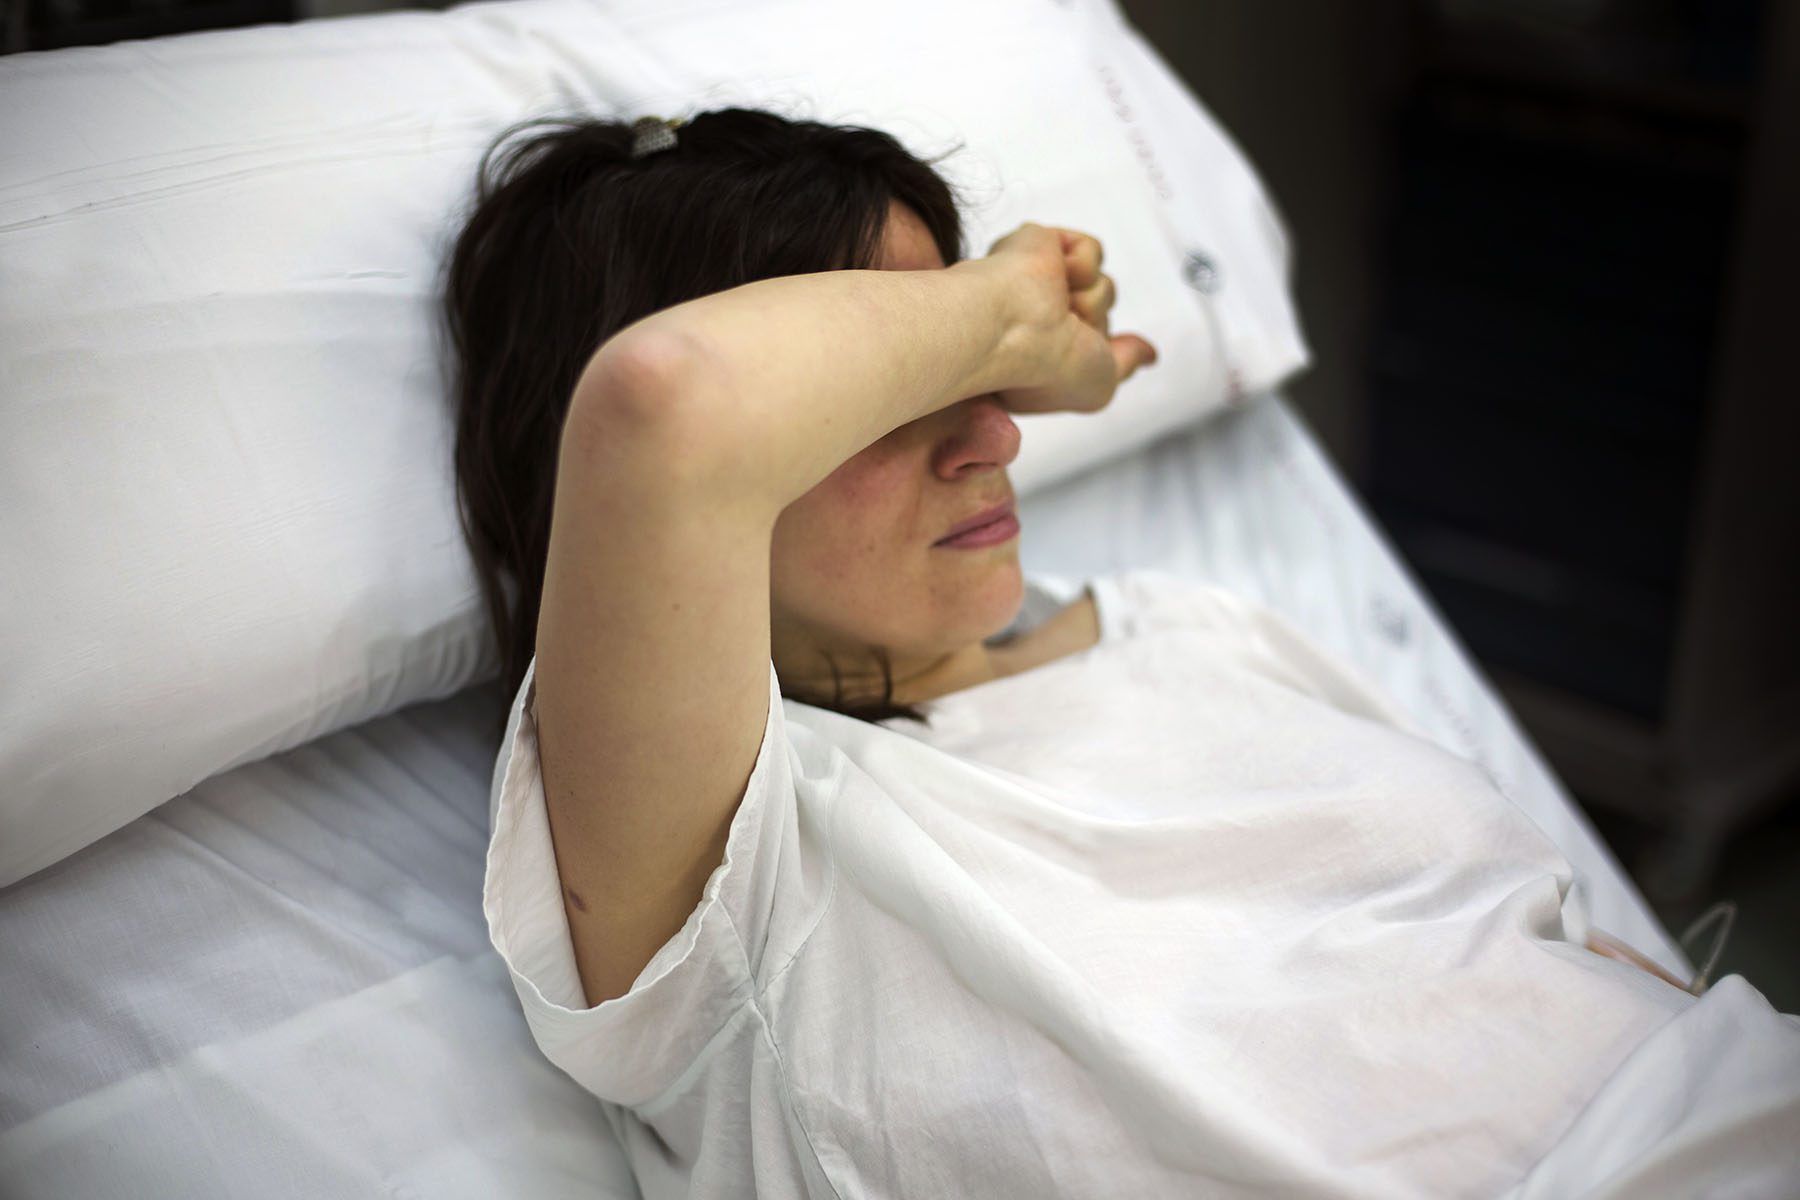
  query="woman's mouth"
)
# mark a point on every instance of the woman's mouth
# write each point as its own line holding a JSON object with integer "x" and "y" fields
{"x": 989, "y": 528}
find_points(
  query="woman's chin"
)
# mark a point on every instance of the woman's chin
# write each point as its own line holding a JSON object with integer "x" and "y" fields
{"x": 1003, "y": 595}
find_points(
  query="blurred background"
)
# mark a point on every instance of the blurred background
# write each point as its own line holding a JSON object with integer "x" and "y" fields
{"x": 1545, "y": 257}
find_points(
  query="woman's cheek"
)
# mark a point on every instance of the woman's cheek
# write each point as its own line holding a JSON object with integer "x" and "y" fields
{"x": 865, "y": 501}
{"x": 824, "y": 540}
{"x": 871, "y": 477}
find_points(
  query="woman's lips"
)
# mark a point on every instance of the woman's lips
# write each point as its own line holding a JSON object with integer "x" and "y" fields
{"x": 986, "y": 529}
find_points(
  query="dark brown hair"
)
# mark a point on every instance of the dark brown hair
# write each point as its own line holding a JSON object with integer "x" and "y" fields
{"x": 570, "y": 240}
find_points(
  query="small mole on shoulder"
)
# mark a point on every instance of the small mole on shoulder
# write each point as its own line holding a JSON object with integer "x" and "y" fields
{"x": 575, "y": 899}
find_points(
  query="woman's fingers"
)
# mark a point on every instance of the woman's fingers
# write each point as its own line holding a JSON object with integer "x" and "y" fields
{"x": 1131, "y": 351}
{"x": 1092, "y": 295}
{"x": 1082, "y": 254}
{"x": 1093, "y": 303}
{"x": 1079, "y": 379}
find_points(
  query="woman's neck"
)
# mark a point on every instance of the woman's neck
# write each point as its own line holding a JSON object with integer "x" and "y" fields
{"x": 1071, "y": 629}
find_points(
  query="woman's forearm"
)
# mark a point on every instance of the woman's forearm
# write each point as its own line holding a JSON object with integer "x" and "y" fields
{"x": 786, "y": 378}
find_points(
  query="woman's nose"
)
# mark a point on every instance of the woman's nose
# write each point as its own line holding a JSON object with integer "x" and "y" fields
{"x": 981, "y": 437}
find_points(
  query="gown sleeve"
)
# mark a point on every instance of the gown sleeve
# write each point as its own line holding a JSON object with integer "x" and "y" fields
{"x": 632, "y": 1048}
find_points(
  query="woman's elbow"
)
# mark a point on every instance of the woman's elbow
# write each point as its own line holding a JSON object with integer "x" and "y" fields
{"x": 647, "y": 401}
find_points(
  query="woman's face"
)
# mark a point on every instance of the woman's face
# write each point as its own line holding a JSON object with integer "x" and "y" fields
{"x": 854, "y": 561}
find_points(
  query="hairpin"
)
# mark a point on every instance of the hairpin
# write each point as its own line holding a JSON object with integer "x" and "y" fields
{"x": 651, "y": 134}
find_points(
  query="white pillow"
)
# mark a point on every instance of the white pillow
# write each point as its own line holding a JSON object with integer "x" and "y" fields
{"x": 1068, "y": 118}
{"x": 229, "y": 523}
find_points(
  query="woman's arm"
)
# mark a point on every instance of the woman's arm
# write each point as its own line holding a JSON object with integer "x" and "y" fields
{"x": 688, "y": 434}
{"x": 789, "y": 377}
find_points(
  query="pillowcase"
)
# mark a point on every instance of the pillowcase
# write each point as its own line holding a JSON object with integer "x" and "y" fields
{"x": 229, "y": 518}
{"x": 1068, "y": 117}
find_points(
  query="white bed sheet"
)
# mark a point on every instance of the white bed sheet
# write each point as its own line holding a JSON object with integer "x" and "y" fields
{"x": 279, "y": 984}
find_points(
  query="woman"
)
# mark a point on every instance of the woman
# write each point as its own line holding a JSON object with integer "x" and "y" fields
{"x": 1149, "y": 898}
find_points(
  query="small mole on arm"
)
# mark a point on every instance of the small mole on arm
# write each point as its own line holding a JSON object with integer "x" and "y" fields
{"x": 580, "y": 905}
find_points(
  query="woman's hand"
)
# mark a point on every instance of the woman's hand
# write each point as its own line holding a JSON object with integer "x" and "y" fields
{"x": 1068, "y": 357}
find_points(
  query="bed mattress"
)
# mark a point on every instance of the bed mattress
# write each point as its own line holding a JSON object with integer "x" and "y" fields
{"x": 280, "y": 983}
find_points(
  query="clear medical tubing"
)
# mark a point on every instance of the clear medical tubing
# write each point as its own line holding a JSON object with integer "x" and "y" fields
{"x": 1721, "y": 914}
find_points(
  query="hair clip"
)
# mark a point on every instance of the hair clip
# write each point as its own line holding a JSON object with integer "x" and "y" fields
{"x": 651, "y": 134}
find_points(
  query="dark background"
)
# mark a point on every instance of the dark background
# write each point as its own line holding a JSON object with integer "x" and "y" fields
{"x": 1545, "y": 253}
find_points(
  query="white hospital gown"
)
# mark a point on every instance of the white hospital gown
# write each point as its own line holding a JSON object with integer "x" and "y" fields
{"x": 1191, "y": 912}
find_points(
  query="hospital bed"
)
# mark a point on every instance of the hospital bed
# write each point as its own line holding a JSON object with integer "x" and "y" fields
{"x": 279, "y": 982}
